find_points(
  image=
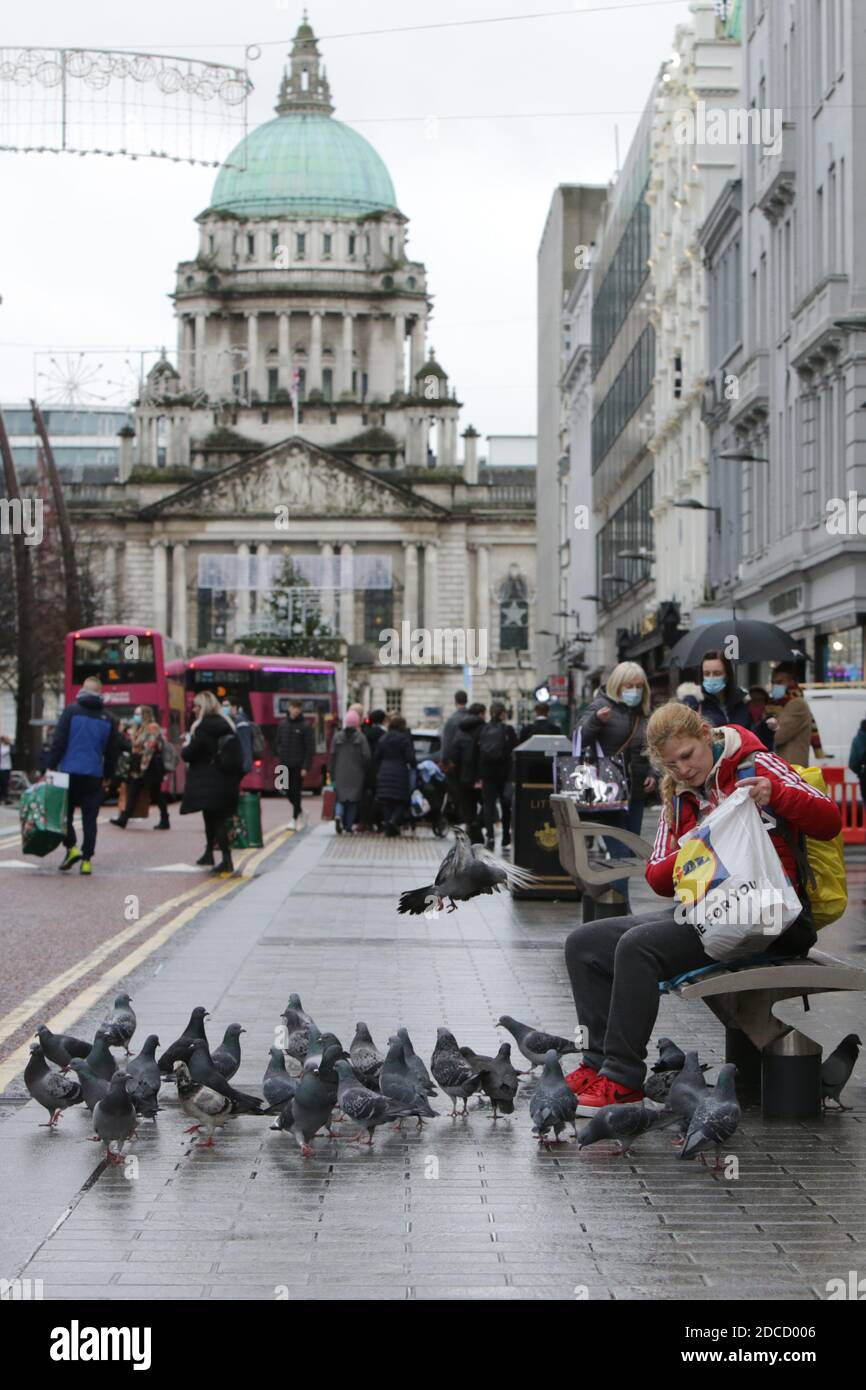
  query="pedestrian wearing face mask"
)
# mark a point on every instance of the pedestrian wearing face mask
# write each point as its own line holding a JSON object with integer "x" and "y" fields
{"x": 721, "y": 701}
{"x": 146, "y": 768}
{"x": 617, "y": 720}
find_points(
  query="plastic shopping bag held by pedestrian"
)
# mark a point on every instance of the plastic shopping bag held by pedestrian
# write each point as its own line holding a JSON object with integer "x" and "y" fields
{"x": 730, "y": 882}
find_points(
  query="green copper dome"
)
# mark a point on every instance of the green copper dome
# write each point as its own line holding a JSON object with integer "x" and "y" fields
{"x": 304, "y": 163}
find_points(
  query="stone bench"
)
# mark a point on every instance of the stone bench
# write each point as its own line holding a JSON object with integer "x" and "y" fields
{"x": 775, "y": 1061}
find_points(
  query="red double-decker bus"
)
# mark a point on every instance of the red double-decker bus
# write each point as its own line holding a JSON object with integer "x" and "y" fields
{"x": 264, "y": 686}
{"x": 137, "y": 666}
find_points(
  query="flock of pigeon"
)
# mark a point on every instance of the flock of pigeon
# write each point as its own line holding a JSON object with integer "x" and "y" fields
{"x": 310, "y": 1076}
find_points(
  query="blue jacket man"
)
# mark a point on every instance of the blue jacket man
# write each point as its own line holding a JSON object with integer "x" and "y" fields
{"x": 86, "y": 745}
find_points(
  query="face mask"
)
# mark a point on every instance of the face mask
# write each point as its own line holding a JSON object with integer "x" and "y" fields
{"x": 632, "y": 697}
{"x": 136, "y": 719}
{"x": 714, "y": 685}
{"x": 757, "y": 712}
{"x": 226, "y": 709}
{"x": 778, "y": 692}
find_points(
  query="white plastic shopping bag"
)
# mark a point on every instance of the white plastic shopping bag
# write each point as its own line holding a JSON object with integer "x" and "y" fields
{"x": 57, "y": 779}
{"x": 730, "y": 882}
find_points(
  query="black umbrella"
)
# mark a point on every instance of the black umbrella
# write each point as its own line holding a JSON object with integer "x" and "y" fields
{"x": 755, "y": 641}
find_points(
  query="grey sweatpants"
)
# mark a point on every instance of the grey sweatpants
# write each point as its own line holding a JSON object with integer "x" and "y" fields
{"x": 615, "y": 966}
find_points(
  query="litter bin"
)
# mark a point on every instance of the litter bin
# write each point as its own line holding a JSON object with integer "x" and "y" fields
{"x": 535, "y": 843}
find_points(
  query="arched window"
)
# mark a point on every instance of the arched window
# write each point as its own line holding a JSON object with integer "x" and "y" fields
{"x": 513, "y": 597}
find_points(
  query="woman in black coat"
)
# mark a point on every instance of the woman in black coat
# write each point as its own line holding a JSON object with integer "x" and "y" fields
{"x": 394, "y": 757}
{"x": 208, "y": 788}
{"x": 723, "y": 702}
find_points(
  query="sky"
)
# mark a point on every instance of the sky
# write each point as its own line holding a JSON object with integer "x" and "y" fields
{"x": 477, "y": 123}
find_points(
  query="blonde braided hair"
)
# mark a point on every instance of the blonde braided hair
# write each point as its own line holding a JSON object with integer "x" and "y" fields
{"x": 672, "y": 720}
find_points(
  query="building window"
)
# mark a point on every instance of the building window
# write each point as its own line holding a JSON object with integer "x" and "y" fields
{"x": 251, "y": 244}
{"x": 275, "y": 242}
{"x": 273, "y": 380}
{"x": 840, "y": 655}
{"x": 390, "y": 246}
{"x": 327, "y": 242}
{"x": 210, "y": 245}
{"x": 302, "y": 383}
{"x": 678, "y": 376}
{"x": 328, "y": 383}
{"x": 630, "y": 528}
{"x": 300, "y": 244}
{"x": 623, "y": 279}
{"x": 393, "y": 702}
{"x": 513, "y": 614}
{"x": 629, "y": 388}
{"x": 378, "y": 614}
{"x": 352, "y": 240}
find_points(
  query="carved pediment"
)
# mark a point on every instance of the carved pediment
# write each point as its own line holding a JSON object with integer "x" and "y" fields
{"x": 309, "y": 481}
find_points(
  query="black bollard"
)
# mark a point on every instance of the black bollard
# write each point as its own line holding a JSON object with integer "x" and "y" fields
{"x": 791, "y": 1078}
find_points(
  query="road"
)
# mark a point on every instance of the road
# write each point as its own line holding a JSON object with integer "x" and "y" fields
{"x": 63, "y": 937}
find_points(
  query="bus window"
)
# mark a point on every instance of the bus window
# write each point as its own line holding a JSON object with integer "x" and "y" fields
{"x": 105, "y": 657}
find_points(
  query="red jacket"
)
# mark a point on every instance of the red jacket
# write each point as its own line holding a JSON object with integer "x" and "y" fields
{"x": 794, "y": 800}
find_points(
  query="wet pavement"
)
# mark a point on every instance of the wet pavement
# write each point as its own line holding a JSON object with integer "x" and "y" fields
{"x": 465, "y": 1209}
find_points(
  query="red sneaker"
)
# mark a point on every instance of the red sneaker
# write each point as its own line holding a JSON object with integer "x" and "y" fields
{"x": 580, "y": 1079}
{"x": 602, "y": 1091}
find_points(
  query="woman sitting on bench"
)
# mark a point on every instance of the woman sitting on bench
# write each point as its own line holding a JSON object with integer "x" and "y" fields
{"x": 615, "y": 964}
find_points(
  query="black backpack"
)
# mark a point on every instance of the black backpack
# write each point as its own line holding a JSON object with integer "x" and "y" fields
{"x": 230, "y": 755}
{"x": 491, "y": 744}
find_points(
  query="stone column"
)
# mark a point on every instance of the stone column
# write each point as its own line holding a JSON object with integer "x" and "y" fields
{"x": 284, "y": 352}
{"x": 447, "y": 443}
{"x": 242, "y": 604}
{"x": 314, "y": 361}
{"x": 160, "y": 584}
{"x": 482, "y": 590}
{"x": 178, "y": 592}
{"x": 200, "y": 332}
{"x": 263, "y": 552}
{"x": 326, "y": 550}
{"x": 399, "y": 340}
{"x": 184, "y": 350}
{"x": 431, "y": 584}
{"x": 410, "y": 582}
{"x": 417, "y": 354}
{"x": 347, "y": 591}
{"x": 109, "y": 581}
{"x": 224, "y": 379}
{"x": 344, "y": 387}
{"x": 252, "y": 354}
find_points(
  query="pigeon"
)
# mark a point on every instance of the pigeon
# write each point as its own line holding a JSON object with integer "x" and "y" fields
{"x": 365, "y": 1057}
{"x": 227, "y": 1057}
{"x": 203, "y": 1071}
{"x": 295, "y": 1006}
{"x": 553, "y": 1103}
{"x": 201, "y": 1105}
{"x": 296, "y": 1039}
{"x": 146, "y": 1078}
{"x": 318, "y": 1044}
{"x": 277, "y": 1085}
{"x": 415, "y": 1063}
{"x": 93, "y": 1087}
{"x": 466, "y": 871}
{"x": 715, "y": 1117}
{"x": 671, "y": 1057}
{"x": 397, "y": 1083}
{"x": 623, "y": 1123}
{"x": 837, "y": 1069}
{"x": 534, "y": 1043}
{"x": 114, "y": 1117}
{"x": 686, "y": 1090}
{"x": 180, "y": 1049}
{"x": 313, "y": 1103}
{"x": 457, "y": 1077}
{"x": 52, "y": 1089}
{"x": 99, "y": 1058}
{"x": 498, "y": 1078}
{"x": 60, "y": 1048}
{"x": 120, "y": 1024}
{"x": 366, "y": 1108}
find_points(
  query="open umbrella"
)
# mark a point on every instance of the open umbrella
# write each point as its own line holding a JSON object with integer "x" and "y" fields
{"x": 756, "y": 641}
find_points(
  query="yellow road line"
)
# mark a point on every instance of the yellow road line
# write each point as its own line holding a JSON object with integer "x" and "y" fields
{"x": 41, "y": 998}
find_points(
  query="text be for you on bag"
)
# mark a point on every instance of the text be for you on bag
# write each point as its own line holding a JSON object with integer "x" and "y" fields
{"x": 730, "y": 882}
